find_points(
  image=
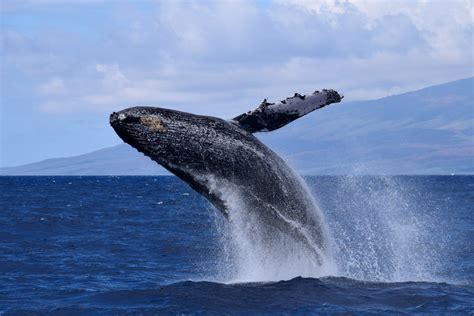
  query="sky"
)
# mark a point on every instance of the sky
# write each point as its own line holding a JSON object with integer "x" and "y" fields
{"x": 66, "y": 64}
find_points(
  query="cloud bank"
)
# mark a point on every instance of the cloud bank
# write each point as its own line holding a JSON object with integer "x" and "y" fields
{"x": 222, "y": 57}
{"x": 69, "y": 62}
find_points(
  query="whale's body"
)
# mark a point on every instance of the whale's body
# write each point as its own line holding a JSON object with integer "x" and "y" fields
{"x": 215, "y": 157}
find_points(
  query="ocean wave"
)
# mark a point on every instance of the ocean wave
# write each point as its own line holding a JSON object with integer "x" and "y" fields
{"x": 298, "y": 295}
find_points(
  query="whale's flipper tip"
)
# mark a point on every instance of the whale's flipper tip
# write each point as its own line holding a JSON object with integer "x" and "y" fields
{"x": 271, "y": 116}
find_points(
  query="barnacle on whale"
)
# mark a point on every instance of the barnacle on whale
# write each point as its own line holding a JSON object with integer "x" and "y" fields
{"x": 154, "y": 123}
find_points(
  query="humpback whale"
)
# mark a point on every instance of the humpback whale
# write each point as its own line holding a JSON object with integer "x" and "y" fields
{"x": 216, "y": 156}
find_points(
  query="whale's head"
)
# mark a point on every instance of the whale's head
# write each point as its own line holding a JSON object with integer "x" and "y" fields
{"x": 144, "y": 128}
{"x": 166, "y": 136}
{"x": 184, "y": 143}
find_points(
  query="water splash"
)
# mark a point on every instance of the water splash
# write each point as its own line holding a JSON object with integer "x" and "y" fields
{"x": 375, "y": 229}
{"x": 380, "y": 233}
{"x": 253, "y": 251}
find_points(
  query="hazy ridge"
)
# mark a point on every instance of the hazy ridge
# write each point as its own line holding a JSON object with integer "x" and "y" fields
{"x": 428, "y": 131}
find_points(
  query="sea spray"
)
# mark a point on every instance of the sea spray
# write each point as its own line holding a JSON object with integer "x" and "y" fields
{"x": 379, "y": 231}
{"x": 254, "y": 250}
{"x": 375, "y": 232}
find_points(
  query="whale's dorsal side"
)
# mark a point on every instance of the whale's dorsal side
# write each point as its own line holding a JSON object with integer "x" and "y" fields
{"x": 271, "y": 116}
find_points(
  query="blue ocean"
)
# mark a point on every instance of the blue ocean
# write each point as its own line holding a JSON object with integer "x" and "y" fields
{"x": 151, "y": 245}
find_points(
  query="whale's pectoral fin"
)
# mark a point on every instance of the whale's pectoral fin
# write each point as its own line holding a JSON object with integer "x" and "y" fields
{"x": 271, "y": 116}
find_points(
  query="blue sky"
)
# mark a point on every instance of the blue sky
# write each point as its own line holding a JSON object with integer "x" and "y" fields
{"x": 66, "y": 64}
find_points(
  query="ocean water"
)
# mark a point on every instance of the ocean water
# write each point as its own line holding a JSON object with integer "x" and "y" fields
{"x": 151, "y": 245}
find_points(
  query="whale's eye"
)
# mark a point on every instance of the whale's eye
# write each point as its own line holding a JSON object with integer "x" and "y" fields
{"x": 154, "y": 123}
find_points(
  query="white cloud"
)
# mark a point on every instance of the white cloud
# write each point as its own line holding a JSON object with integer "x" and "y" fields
{"x": 445, "y": 25}
{"x": 223, "y": 57}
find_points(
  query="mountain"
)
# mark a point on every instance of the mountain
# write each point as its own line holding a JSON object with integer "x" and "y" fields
{"x": 429, "y": 131}
{"x": 117, "y": 160}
